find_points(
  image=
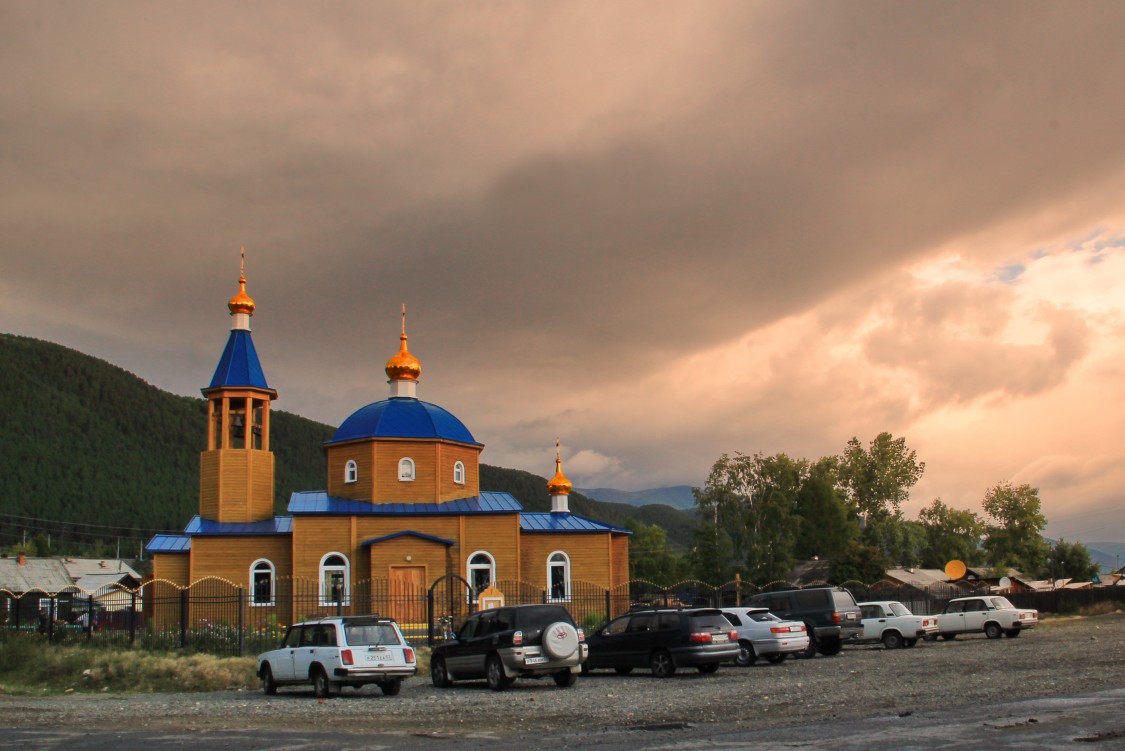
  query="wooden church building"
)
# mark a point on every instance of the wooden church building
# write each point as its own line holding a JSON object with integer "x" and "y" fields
{"x": 402, "y": 507}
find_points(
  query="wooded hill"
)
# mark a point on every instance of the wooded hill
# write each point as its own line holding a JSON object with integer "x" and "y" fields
{"x": 91, "y": 453}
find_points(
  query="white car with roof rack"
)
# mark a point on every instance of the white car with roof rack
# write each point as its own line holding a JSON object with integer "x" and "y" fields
{"x": 329, "y": 653}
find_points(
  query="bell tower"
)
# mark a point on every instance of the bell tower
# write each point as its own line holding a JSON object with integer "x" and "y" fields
{"x": 236, "y": 471}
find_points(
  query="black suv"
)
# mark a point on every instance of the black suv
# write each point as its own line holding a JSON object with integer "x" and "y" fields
{"x": 663, "y": 639}
{"x": 502, "y": 644}
{"x": 830, "y": 614}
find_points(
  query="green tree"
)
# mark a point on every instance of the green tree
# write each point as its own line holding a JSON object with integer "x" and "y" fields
{"x": 951, "y": 534}
{"x": 823, "y": 527}
{"x": 1015, "y": 537}
{"x": 1071, "y": 560}
{"x": 877, "y": 480}
{"x": 650, "y": 557}
{"x": 860, "y": 562}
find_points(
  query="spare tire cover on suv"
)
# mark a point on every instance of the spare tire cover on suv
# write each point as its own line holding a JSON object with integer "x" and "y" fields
{"x": 560, "y": 640}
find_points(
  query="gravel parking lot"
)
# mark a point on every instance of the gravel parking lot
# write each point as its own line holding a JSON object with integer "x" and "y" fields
{"x": 1061, "y": 657}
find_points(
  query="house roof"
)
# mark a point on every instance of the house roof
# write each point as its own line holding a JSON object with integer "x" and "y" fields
{"x": 278, "y": 525}
{"x": 556, "y": 522}
{"x": 918, "y": 577}
{"x": 811, "y": 572}
{"x": 239, "y": 366}
{"x": 402, "y": 417}
{"x": 46, "y": 574}
{"x": 319, "y": 502}
{"x": 169, "y": 544}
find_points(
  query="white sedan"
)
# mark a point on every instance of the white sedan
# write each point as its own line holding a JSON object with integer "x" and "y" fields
{"x": 892, "y": 623}
{"x": 994, "y": 615}
{"x": 763, "y": 634}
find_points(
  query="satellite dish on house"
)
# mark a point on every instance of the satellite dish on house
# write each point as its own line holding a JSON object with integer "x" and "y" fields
{"x": 1005, "y": 582}
{"x": 955, "y": 569}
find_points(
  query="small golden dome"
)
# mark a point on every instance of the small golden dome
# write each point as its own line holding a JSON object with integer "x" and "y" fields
{"x": 242, "y": 302}
{"x": 403, "y": 366}
{"x": 559, "y": 485}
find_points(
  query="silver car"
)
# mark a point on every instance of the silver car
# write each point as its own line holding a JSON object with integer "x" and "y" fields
{"x": 763, "y": 634}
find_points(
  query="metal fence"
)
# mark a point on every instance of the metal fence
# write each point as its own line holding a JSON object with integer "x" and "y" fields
{"x": 218, "y": 617}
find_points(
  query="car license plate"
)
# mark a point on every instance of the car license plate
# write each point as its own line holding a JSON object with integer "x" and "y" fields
{"x": 795, "y": 629}
{"x": 720, "y": 639}
{"x": 851, "y": 616}
{"x": 536, "y": 660}
{"x": 379, "y": 656}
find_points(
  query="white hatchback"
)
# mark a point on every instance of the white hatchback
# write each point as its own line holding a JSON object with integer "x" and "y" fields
{"x": 334, "y": 652}
{"x": 763, "y": 634}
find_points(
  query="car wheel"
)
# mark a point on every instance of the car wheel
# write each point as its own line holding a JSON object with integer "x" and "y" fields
{"x": 661, "y": 664}
{"x": 746, "y": 656}
{"x": 565, "y": 678}
{"x": 391, "y": 688}
{"x": 439, "y": 676}
{"x": 993, "y": 630}
{"x": 909, "y": 642}
{"x": 830, "y": 647}
{"x": 1012, "y": 633}
{"x": 776, "y": 657}
{"x": 949, "y": 637}
{"x": 708, "y": 668}
{"x": 623, "y": 670}
{"x": 495, "y": 675}
{"x": 321, "y": 686}
{"x": 269, "y": 685}
{"x": 810, "y": 651}
{"x": 892, "y": 640}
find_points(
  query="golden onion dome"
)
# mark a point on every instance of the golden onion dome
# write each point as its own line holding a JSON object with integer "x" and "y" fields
{"x": 559, "y": 485}
{"x": 242, "y": 302}
{"x": 403, "y": 366}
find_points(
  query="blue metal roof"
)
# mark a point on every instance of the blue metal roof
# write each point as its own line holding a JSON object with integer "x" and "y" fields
{"x": 278, "y": 525}
{"x": 551, "y": 522}
{"x": 402, "y": 417}
{"x": 319, "y": 502}
{"x": 239, "y": 364}
{"x": 408, "y": 533}
{"x": 169, "y": 544}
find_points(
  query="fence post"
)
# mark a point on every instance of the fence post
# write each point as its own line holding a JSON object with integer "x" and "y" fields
{"x": 132, "y": 618}
{"x": 430, "y": 616}
{"x": 241, "y": 623}
{"x": 52, "y": 613}
{"x": 608, "y": 606}
{"x": 183, "y": 618}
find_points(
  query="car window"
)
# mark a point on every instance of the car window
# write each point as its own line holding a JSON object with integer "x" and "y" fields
{"x": 955, "y": 607}
{"x": 468, "y": 629}
{"x": 326, "y": 635}
{"x": 485, "y": 624}
{"x": 811, "y": 598}
{"x": 642, "y": 622}
{"x": 618, "y": 626}
{"x": 975, "y": 606}
{"x": 540, "y": 617}
{"x": 780, "y": 603}
{"x": 764, "y": 616}
{"x": 734, "y": 618}
{"x": 1002, "y": 602}
{"x": 670, "y": 622}
{"x": 871, "y": 611}
{"x": 709, "y": 622}
{"x": 843, "y": 599}
{"x": 503, "y": 621}
{"x": 293, "y": 637}
{"x": 899, "y": 609}
{"x": 371, "y": 634}
{"x": 308, "y": 636}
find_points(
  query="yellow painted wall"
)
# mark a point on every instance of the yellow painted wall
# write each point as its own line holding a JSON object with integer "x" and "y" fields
{"x": 497, "y": 534}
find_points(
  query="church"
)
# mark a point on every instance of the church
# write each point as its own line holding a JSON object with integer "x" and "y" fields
{"x": 401, "y": 510}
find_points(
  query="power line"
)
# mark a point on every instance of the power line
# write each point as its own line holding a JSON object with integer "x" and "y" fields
{"x": 91, "y": 530}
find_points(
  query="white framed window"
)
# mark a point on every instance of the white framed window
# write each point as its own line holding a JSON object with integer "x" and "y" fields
{"x": 459, "y": 473}
{"x": 351, "y": 471}
{"x": 558, "y": 576}
{"x": 334, "y": 579}
{"x": 263, "y": 575}
{"x": 406, "y": 469}
{"x": 480, "y": 571}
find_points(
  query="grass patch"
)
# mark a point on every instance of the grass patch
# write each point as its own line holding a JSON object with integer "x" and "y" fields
{"x": 28, "y": 665}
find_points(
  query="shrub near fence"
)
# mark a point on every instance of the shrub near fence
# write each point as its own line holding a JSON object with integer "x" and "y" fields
{"x": 218, "y": 617}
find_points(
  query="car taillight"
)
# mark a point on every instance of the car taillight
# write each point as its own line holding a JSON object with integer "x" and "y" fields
{"x": 701, "y": 636}
{"x": 835, "y": 617}
{"x": 408, "y": 653}
{"x": 581, "y": 635}
{"x": 517, "y": 638}
{"x": 733, "y": 635}
{"x": 779, "y": 630}
{"x": 346, "y": 656}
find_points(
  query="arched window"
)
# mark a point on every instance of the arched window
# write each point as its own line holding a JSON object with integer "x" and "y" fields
{"x": 558, "y": 576}
{"x": 334, "y": 578}
{"x": 406, "y": 469}
{"x": 459, "y": 473}
{"x": 351, "y": 471}
{"x": 481, "y": 571}
{"x": 262, "y": 578}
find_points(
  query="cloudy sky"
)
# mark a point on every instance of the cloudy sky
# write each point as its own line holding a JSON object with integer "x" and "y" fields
{"x": 659, "y": 231}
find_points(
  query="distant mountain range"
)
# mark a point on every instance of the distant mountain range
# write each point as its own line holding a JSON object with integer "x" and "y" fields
{"x": 1108, "y": 555}
{"x": 676, "y": 496}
